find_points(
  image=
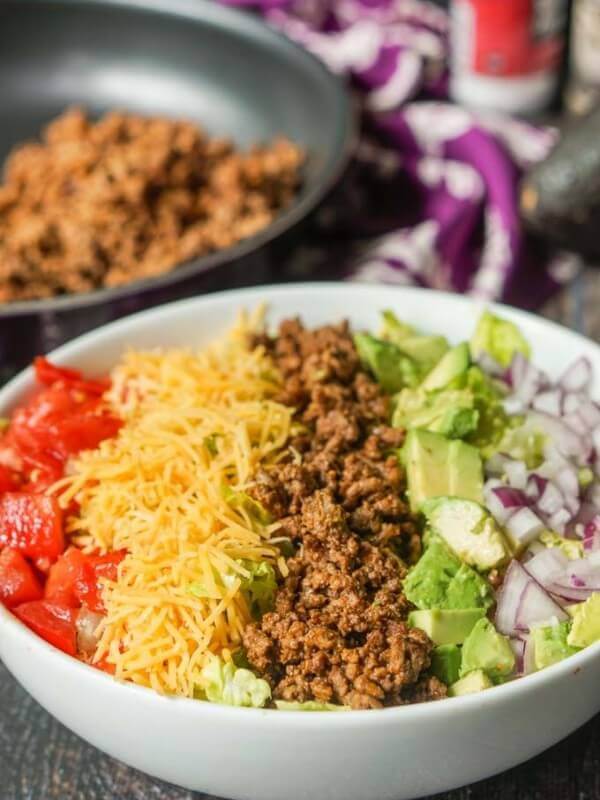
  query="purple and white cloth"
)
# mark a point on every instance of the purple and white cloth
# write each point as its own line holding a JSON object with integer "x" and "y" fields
{"x": 432, "y": 198}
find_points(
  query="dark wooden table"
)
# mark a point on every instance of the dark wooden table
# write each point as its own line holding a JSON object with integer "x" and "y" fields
{"x": 42, "y": 760}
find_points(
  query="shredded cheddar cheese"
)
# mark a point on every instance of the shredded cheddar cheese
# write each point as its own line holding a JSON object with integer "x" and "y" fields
{"x": 194, "y": 423}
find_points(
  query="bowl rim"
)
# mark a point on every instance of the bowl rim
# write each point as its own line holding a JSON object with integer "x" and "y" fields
{"x": 344, "y": 141}
{"x": 490, "y": 698}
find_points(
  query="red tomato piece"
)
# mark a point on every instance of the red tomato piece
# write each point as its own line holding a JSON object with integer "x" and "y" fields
{"x": 32, "y": 524}
{"x": 48, "y": 374}
{"x": 9, "y": 479}
{"x": 64, "y": 578}
{"x": 89, "y": 586}
{"x": 18, "y": 582}
{"x": 53, "y": 622}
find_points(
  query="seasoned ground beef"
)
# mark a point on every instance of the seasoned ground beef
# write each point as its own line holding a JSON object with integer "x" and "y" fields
{"x": 100, "y": 204}
{"x": 338, "y": 632}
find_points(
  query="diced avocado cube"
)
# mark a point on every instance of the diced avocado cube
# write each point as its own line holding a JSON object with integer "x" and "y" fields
{"x": 436, "y": 466}
{"x": 499, "y": 338}
{"x": 446, "y": 626}
{"x": 453, "y": 364}
{"x": 475, "y": 681}
{"x": 468, "y": 589}
{"x": 392, "y": 369}
{"x": 550, "y": 644}
{"x": 486, "y": 649}
{"x": 585, "y": 629}
{"x": 469, "y": 531}
{"x": 426, "y": 585}
{"x": 439, "y": 580}
{"x": 445, "y": 663}
{"x": 394, "y": 330}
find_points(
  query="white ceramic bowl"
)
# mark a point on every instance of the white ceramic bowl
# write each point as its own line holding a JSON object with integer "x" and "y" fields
{"x": 392, "y": 754}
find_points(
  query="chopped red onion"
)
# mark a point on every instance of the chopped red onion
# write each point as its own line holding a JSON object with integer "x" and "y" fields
{"x": 524, "y": 526}
{"x": 87, "y": 624}
{"x": 558, "y": 521}
{"x": 551, "y": 499}
{"x": 548, "y": 565}
{"x": 576, "y": 423}
{"x": 489, "y": 364}
{"x": 568, "y": 482}
{"x": 537, "y": 606}
{"x": 535, "y": 486}
{"x": 513, "y": 405}
{"x": 591, "y": 535}
{"x": 571, "y": 402}
{"x": 509, "y": 596}
{"x": 577, "y": 377}
{"x": 516, "y": 472}
{"x": 566, "y": 441}
{"x": 549, "y": 402}
{"x": 590, "y": 414}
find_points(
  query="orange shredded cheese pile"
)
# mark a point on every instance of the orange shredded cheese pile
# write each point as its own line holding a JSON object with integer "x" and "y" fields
{"x": 193, "y": 423}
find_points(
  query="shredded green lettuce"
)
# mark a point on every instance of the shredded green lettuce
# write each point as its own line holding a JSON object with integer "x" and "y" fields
{"x": 223, "y": 682}
{"x": 309, "y": 705}
{"x": 449, "y": 412}
{"x": 499, "y": 339}
{"x": 259, "y": 587}
{"x": 242, "y": 501}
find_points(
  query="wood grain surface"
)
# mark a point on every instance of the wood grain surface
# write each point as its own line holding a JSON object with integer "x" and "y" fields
{"x": 42, "y": 760}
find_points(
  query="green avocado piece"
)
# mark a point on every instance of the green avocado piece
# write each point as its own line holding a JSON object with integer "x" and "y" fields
{"x": 468, "y": 589}
{"x": 426, "y": 585}
{"x": 425, "y": 349}
{"x": 437, "y": 466}
{"x": 394, "y": 330}
{"x": 498, "y": 338}
{"x": 550, "y": 644}
{"x": 453, "y": 364}
{"x": 585, "y": 628}
{"x": 392, "y": 369}
{"x": 475, "y": 681}
{"x": 468, "y": 530}
{"x": 440, "y": 580}
{"x": 449, "y": 412}
{"x": 445, "y": 663}
{"x": 486, "y": 649}
{"x": 446, "y": 626}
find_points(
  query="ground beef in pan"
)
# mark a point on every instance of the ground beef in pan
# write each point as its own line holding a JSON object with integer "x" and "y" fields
{"x": 338, "y": 632}
{"x": 99, "y": 204}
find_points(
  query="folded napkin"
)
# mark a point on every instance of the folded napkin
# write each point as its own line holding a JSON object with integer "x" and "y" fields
{"x": 432, "y": 197}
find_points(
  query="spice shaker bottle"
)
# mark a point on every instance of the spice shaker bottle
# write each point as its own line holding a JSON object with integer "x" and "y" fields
{"x": 583, "y": 89}
{"x": 506, "y": 54}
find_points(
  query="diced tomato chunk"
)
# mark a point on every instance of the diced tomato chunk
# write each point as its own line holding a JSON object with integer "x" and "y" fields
{"x": 64, "y": 578}
{"x": 75, "y": 579}
{"x": 18, "y": 582}
{"x": 9, "y": 479}
{"x": 32, "y": 524}
{"x": 48, "y": 374}
{"x": 53, "y": 622}
{"x": 89, "y": 586}
{"x": 104, "y": 666}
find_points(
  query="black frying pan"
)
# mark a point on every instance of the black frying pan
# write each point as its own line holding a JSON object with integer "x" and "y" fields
{"x": 181, "y": 58}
